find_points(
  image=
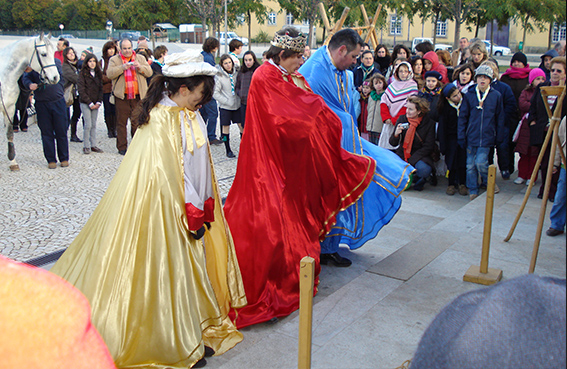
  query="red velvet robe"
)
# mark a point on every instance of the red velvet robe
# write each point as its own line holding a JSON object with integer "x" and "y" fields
{"x": 292, "y": 179}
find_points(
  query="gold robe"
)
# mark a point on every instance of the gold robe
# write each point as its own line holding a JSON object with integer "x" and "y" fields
{"x": 155, "y": 297}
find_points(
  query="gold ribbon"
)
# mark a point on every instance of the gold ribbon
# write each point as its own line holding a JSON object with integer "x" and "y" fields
{"x": 191, "y": 122}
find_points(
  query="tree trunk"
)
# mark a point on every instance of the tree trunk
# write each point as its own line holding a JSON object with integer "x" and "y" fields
{"x": 435, "y": 24}
{"x": 312, "y": 36}
{"x": 249, "y": 31}
{"x": 550, "y": 38}
{"x": 491, "y": 37}
{"x": 524, "y": 35}
{"x": 477, "y": 26}
{"x": 458, "y": 9}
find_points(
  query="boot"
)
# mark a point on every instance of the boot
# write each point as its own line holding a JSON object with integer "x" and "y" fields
{"x": 74, "y": 137}
{"x": 225, "y": 137}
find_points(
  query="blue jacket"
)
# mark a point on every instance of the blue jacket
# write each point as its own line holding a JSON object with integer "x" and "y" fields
{"x": 45, "y": 93}
{"x": 510, "y": 105}
{"x": 481, "y": 127}
{"x": 208, "y": 58}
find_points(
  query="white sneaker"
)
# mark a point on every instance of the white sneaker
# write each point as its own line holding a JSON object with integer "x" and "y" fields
{"x": 519, "y": 181}
{"x": 528, "y": 182}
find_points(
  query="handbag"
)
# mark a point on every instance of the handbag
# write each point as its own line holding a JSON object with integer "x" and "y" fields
{"x": 69, "y": 95}
{"x": 111, "y": 99}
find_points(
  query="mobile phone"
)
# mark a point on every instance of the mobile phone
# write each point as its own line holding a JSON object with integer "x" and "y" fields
{"x": 404, "y": 125}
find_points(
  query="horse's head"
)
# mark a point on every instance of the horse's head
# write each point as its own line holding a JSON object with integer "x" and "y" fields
{"x": 43, "y": 60}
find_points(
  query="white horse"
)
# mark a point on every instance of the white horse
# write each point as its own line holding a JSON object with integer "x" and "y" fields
{"x": 36, "y": 52}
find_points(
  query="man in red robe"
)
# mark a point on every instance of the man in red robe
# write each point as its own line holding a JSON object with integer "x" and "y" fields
{"x": 292, "y": 179}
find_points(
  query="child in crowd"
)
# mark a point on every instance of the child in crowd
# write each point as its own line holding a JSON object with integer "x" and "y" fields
{"x": 394, "y": 65}
{"x": 431, "y": 91}
{"x": 235, "y": 47}
{"x": 528, "y": 154}
{"x": 455, "y": 156}
{"x": 417, "y": 66}
{"x": 393, "y": 101}
{"x": 431, "y": 62}
{"x": 480, "y": 127}
{"x": 363, "y": 117}
{"x": 374, "y": 121}
{"x": 228, "y": 100}
{"x": 462, "y": 77}
{"x": 90, "y": 98}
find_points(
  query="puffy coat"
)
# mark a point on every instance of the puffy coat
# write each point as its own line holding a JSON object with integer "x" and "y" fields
{"x": 481, "y": 127}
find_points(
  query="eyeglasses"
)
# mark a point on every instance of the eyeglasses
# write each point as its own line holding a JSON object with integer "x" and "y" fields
{"x": 557, "y": 71}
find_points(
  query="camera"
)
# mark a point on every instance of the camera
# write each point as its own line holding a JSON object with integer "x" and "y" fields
{"x": 404, "y": 125}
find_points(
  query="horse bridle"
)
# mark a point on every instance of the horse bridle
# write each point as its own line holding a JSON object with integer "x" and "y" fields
{"x": 42, "y": 71}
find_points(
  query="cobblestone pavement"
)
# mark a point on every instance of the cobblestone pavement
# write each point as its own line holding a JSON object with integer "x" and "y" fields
{"x": 42, "y": 210}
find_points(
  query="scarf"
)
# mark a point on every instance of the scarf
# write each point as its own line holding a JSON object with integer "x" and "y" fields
{"x": 518, "y": 73}
{"x": 383, "y": 62}
{"x": 130, "y": 77}
{"x": 435, "y": 91}
{"x": 397, "y": 93}
{"x": 410, "y": 135}
{"x": 456, "y": 106}
{"x": 375, "y": 95}
{"x": 366, "y": 71}
{"x": 481, "y": 99}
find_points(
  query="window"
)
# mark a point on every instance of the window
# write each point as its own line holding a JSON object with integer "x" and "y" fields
{"x": 272, "y": 19}
{"x": 289, "y": 19}
{"x": 558, "y": 32}
{"x": 395, "y": 25}
{"x": 441, "y": 29}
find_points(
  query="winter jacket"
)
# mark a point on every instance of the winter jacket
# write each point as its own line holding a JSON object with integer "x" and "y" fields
{"x": 510, "y": 105}
{"x": 538, "y": 113}
{"x": 106, "y": 82}
{"x": 359, "y": 74}
{"x": 90, "y": 88}
{"x": 374, "y": 121}
{"x": 448, "y": 126}
{"x": 45, "y": 93}
{"x": 115, "y": 72}
{"x": 70, "y": 74}
{"x": 523, "y": 142}
{"x": 223, "y": 94}
{"x": 243, "y": 85}
{"x": 436, "y": 66}
{"x": 423, "y": 142}
{"x": 481, "y": 127}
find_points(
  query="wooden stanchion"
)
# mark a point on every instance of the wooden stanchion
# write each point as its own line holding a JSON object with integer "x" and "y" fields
{"x": 483, "y": 274}
{"x": 306, "y": 280}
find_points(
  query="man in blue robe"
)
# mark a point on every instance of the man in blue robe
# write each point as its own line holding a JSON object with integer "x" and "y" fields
{"x": 328, "y": 75}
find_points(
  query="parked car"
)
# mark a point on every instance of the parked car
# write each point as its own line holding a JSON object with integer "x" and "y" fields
{"x": 132, "y": 36}
{"x": 231, "y": 36}
{"x": 419, "y": 40}
{"x": 497, "y": 50}
{"x": 67, "y": 36}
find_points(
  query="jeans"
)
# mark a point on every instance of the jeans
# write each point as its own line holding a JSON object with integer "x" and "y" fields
{"x": 89, "y": 131}
{"x": 559, "y": 209}
{"x": 477, "y": 163}
{"x": 53, "y": 122}
{"x": 210, "y": 113}
{"x": 422, "y": 170}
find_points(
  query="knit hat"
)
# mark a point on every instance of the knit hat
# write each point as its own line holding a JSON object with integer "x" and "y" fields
{"x": 447, "y": 89}
{"x": 534, "y": 73}
{"x": 521, "y": 57}
{"x": 484, "y": 70}
{"x": 519, "y": 323}
{"x": 143, "y": 44}
{"x": 434, "y": 74}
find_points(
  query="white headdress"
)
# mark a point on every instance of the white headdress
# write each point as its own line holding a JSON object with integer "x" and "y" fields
{"x": 187, "y": 64}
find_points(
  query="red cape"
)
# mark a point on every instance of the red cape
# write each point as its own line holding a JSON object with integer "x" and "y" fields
{"x": 292, "y": 179}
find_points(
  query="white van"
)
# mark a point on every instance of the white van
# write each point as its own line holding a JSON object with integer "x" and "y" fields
{"x": 419, "y": 40}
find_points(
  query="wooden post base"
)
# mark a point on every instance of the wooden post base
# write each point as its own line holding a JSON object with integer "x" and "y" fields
{"x": 474, "y": 275}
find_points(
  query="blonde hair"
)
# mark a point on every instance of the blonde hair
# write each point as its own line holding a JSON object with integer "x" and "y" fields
{"x": 479, "y": 46}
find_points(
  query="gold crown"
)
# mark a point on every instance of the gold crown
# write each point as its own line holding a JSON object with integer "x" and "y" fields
{"x": 296, "y": 44}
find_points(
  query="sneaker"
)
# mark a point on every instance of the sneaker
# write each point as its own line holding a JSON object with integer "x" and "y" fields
{"x": 496, "y": 188}
{"x": 473, "y": 196}
{"x": 96, "y": 149}
{"x": 519, "y": 181}
{"x": 552, "y": 232}
{"x": 451, "y": 190}
{"x": 463, "y": 190}
{"x": 505, "y": 175}
{"x": 86, "y": 150}
{"x": 528, "y": 182}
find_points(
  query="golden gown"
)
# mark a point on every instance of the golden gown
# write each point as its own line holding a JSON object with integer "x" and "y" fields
{"x": 155, "y": 297}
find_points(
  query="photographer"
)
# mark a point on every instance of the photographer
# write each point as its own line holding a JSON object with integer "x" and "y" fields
{"x": 414, "y": 135}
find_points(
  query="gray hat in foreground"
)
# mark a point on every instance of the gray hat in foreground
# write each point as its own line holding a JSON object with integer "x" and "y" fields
{"x": 520, "y": 323}
{"x": 484, "y": 70}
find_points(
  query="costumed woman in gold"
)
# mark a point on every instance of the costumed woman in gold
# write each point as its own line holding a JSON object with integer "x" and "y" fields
{"x": 140, "y": 259}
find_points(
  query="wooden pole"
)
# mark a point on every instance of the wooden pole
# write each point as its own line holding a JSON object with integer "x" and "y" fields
{"x": 484, "y": 274}
{"x": 306, "y": 280}
{"x": 555, "y": 129}
{"x": 545, "y": 92}
{"x": 324, "y": 17}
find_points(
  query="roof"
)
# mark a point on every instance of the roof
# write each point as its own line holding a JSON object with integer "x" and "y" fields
{"x": 165, "y": 25}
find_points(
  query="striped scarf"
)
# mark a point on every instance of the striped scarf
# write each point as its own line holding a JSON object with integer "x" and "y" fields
{"x": 397, "y": 94}
{"x": 130, "y": 77}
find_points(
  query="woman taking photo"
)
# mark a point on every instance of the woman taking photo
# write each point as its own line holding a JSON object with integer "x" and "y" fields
{"x": 228, "y": 100}
{"x": 414, "y": 135}
{"x": 71, "y": 77}
{"x": 243, "y": 79}
{"x": 108, "y": 51}
{"x": 140, "y": 259}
